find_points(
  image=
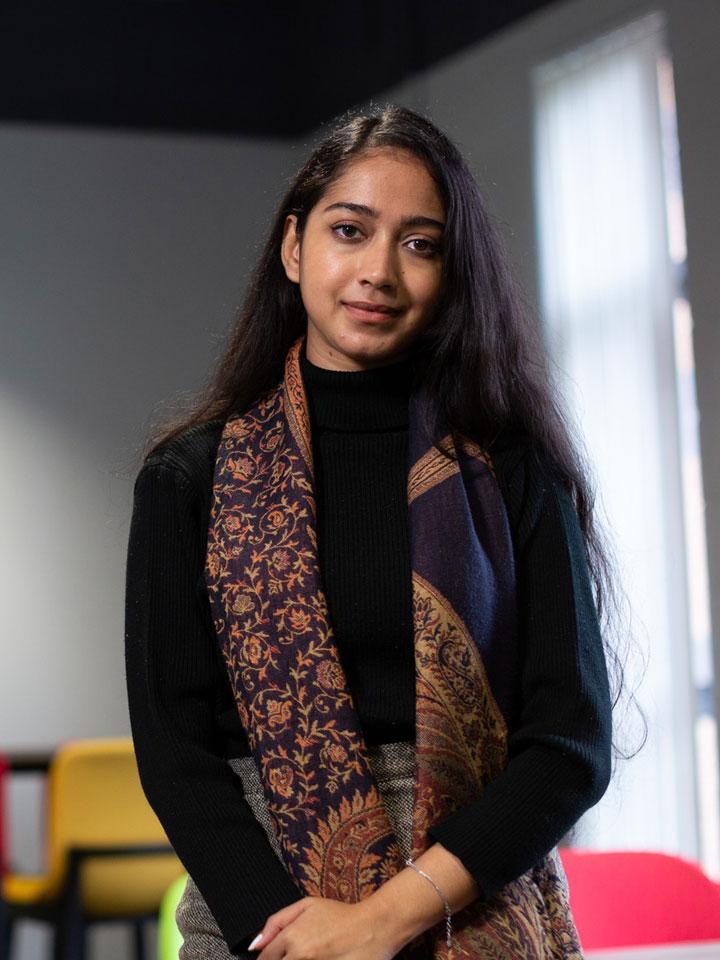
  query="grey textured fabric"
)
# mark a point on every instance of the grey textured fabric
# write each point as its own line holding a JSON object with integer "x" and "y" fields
{"x": 393, "y": 766}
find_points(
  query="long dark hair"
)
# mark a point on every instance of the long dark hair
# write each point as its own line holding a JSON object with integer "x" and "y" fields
{"x": 482, "y": 360}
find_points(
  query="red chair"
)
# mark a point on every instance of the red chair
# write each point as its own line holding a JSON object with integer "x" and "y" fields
{"x": 632, "y": 898}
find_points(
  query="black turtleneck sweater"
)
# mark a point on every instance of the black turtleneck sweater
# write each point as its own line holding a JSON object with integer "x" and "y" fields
{"x": 359, "y": 421}
{"x": 184, "y": 721}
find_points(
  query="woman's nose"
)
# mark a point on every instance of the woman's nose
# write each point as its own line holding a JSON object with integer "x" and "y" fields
{"x": 378, "y": 263}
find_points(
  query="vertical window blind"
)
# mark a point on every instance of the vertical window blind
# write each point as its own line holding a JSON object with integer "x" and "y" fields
{"x": 618, "y": 326}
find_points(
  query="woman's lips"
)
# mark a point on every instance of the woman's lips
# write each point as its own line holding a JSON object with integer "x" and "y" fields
{"x": 370, "y": 316}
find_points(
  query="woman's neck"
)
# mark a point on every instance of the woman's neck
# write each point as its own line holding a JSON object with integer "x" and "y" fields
{"x": 358, "y": 400}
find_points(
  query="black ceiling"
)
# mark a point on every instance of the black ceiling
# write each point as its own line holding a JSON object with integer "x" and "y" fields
{"x": 279, "y": 69}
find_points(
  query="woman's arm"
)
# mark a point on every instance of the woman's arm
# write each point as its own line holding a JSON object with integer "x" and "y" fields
{"x": 560, "y": 749}
{"x": 172, "y": 677}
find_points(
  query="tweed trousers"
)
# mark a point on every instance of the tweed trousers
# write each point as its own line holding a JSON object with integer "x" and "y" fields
{"x": 393, "y": 766}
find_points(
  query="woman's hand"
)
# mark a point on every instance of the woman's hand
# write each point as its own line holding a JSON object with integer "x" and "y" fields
{"x": 317, "y": 928}
{"x": 376, "y": 928}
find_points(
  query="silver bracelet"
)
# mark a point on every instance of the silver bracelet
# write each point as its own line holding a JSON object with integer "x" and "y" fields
{"x": 448, "y": 912}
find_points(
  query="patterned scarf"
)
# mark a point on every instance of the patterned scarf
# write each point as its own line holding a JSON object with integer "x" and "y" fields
{"x": 272, "y": 621}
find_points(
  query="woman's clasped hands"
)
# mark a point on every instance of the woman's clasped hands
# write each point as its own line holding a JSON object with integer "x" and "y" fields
{"x": 318, "y": 928}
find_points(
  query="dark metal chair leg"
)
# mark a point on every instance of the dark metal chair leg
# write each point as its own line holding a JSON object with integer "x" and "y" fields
{"x": 70, "y": 940}
{"x": 6, "y": 932}
{"x": 70, "y": 928}
{"x": 58, "y": 951}
{"x": 139, "y": 937}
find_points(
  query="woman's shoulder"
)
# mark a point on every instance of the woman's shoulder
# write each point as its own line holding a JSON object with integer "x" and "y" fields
{"x": 518, "y": 458}
{"x": 189, "y": 454}
{"x": 529, "y": 482}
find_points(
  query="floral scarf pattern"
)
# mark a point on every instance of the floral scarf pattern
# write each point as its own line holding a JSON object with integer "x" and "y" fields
{"x": 277, "y": 641}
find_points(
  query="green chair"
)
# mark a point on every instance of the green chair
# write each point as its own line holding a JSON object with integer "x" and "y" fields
{"x": 169, "y": 938}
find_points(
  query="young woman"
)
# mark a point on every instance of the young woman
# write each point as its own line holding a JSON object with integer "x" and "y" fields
{"x": 366, "y": 672}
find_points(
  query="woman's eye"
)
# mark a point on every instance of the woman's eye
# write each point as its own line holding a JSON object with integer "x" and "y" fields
{"x": 345, "y": 226}
{"x": 430, "y": 247}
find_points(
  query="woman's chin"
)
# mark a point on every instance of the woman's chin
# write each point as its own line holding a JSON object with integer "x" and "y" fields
{"x": 353, "y": 346}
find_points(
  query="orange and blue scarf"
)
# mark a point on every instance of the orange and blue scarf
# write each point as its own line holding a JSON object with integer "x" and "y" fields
{"x": 273, "y": 625}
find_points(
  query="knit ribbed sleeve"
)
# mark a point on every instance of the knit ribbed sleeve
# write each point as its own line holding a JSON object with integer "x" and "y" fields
{"x": 173, "y": 675}
{"x": 560, "y": 749}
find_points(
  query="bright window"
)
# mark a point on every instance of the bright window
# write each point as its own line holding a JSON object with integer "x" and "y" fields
{"x": 611, "y": 244}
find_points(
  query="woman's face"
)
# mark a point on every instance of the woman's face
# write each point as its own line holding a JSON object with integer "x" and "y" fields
{"x": 374, "y": 238}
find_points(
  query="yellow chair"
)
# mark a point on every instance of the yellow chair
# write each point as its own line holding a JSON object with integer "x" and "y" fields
{"x": 107, "y": 855}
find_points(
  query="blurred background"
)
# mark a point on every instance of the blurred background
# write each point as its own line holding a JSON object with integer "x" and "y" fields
{"x": 143, "y": 149}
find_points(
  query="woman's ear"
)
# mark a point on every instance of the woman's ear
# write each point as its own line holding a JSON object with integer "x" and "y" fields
{"x": 290, "y": 248}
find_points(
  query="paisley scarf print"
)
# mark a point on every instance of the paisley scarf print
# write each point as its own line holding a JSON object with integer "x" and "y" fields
{"x": 272, "y": 622}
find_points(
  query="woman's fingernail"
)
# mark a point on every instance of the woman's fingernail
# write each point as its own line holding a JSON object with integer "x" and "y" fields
{"x": 256, "y": 941}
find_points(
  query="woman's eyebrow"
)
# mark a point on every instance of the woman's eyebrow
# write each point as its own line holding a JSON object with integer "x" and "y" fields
{"x": 416, "y": 221}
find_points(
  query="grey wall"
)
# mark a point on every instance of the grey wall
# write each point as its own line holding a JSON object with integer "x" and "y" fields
{"x": 123, "y": 257}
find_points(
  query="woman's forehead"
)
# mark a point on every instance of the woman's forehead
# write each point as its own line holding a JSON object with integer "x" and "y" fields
{"x": 387, "y": 179}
